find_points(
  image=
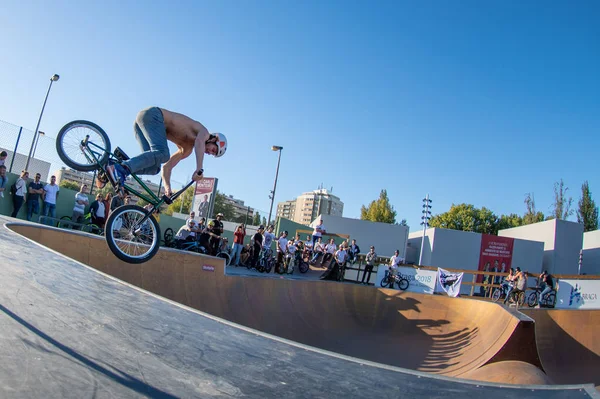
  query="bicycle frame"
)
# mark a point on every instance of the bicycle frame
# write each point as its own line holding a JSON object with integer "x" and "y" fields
{"x": 150, "y": 197}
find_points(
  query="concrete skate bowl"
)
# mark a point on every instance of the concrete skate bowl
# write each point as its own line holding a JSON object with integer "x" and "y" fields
{"x": 435, "y": 334}
{"x": 568, "y": 342}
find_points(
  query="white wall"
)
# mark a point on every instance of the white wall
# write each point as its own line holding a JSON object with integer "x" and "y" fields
{"x": 528, "y": 255}
{"x": 385, "y": 237}
{"x": 562, "y": 242}
{"x": 456, "y": 249}
{"x": 415, "y": 240}
{"x": 591, "y": 252}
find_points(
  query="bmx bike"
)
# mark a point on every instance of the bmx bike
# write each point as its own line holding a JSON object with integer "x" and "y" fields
{"x": 390, "y": 279}
{"x": 548, "y": 299}
{"x": 132, "y": 233}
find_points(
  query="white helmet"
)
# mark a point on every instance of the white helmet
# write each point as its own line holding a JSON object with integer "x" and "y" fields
{"x": 221, "y": 144}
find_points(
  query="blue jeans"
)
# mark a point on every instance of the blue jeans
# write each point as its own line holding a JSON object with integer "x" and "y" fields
{"x": 32, "y": 207}
{"x": 49, "y": 210}
{"x": 236, "y": 250}
{"x": 151, "y": 133}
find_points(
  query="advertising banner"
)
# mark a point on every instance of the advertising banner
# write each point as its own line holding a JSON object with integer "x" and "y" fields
{"x": 578, "y": 294}
{"x": 204, "y": 197}
{"x": 421, "y": 281}
{"x": 449, "y": 282}
{"x": 495, "y": 255}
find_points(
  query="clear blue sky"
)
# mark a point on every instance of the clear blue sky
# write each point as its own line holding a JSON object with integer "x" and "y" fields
{"x": 469, "y": 101}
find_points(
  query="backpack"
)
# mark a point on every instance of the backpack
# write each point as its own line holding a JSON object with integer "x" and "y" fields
{"x": 13, "y": 188}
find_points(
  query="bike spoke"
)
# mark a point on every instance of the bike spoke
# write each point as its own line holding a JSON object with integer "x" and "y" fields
{"x": 131, "y": 238}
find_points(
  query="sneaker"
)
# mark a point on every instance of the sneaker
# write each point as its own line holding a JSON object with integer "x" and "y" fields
{"x": 118, "y": 173}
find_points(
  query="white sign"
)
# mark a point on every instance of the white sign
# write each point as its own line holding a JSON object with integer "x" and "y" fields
{"x": 449, "y": 282}
{"x": 421, "y": 281}
{"x": 578, "y": 294}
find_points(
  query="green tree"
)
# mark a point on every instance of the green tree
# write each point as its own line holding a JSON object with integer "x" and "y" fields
{"x": 587, "y": 214}
{"x": 183, "y": 203}
{"x": 379, "y": 210}
{"x": 69, "y": 185}
{"x": 509, "y": 221}
{"x": 256, "y": 219}
{"x": 531, "y": 215}
{"x": 264, "y": 221}
{"x": 403, "y": 222}
{"x": 467, "y": 217}
{"x": 562, "y": 204}
{"x": 221, "y": 206}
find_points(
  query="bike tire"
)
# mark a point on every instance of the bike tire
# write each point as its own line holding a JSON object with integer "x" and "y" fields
{"x": 65, "y": 225}
{"x": 532, "y": 299}
{"x": 94, "y": 229}
{"x": 129, "y": 215}
{"x": 224, "y": 255}
{"x": 384, "y": 282}
{"x": 168, "y": 236}
{"x": 497, "y": 294}
{"x": 551, "y": 300}
{"x": 303, "y": 267}
{"x": 403, "y": 284}
{"x": 520, "y": 298}
{"x": 69, "y": 138}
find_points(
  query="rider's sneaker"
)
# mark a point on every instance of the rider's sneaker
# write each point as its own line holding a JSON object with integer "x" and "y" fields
{"x": 118, "y": 173}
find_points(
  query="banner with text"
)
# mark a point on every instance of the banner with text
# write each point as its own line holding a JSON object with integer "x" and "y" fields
{"x": 421, "y": 281}
{"x": 449, "y": 282}
{"x": 495, "y": 255}
{"x": 204, "y": 197}
{"x": 578, "y": 294}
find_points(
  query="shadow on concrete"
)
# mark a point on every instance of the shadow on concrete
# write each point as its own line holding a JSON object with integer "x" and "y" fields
{"x": 118, "y": 376}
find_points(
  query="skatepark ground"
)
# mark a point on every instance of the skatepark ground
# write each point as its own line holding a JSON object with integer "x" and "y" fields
{"x": 179, "y": 326}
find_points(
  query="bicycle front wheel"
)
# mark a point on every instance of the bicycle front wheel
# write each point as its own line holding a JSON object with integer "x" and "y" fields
{"x": 497, "y": 294}
{"x": 402, "y": 284}
{"x": 532, "y": 299}
{"x": 384, "y": 282}
{"x": 71, "y": 152}
{"x": 130, "y": 240}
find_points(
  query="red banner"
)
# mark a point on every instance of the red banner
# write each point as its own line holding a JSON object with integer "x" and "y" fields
{"x": 496, "y": 254}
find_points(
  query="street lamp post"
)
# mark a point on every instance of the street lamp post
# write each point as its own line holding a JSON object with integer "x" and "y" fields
{"x": 53, "y": 79}
{"x": 40, "y": 133}
{"x": 272, "y": 196}
{"x": 426, "y": 216}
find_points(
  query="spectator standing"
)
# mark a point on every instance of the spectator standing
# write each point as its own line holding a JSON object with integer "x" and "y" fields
{"x": 238, "y": 244}
{"x": 353, "y": 252}
{"x": 51, "y": 192}
{"x": 282, "y": 243}
{"x": 217, "y": 230}
{"x": 369, "y": 263}
{"x": 98, "y": 211}
{"x": 318, "y": 231}
{"x": 3, "y": 180}
{"x": 81, "y": 201}
{"x": 117, "y": 200}
{"x": 21, "y": 188}
{"x": 3, "y": 156}
{"x": 257, "y": 240}
{"x": 36, "y": 188}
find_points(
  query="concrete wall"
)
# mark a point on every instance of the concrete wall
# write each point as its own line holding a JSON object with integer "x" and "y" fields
{"x": 385, "y": 237}
{"x": 528, "y": 255}
{"x": 415, "y": 240}
{"x": 591, "y": 252}
{"x": 456, "y": 249}
{"x": 562, "y": 242}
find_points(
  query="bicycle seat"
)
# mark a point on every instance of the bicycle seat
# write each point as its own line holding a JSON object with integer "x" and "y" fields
{"x": 120, "y": 154}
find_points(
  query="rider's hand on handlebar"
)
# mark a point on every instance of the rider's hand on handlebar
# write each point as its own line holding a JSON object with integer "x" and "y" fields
{"x": 198, "y": 175}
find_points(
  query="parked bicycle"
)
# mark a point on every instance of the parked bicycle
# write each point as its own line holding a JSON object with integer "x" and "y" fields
{"x": 132, "y": 233}
{"x": 66, "y": 222}
{"x": 390, "y": 279}
{"x": 548, "y": 299}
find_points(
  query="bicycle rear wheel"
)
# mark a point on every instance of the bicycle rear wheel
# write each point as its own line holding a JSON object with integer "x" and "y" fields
{"x": 129, "y": 240}
{"x": 497, "y": 294}
{"x": 550, "y": 300}
{"x": 303, "y": 266}
{"x": 68, "y": 145}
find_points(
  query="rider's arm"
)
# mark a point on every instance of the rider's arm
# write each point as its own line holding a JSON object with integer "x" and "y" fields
{"x": 200, "y": 146}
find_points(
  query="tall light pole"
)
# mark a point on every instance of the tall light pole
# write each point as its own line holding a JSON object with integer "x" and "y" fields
{"x": 272, "y": 196}
{"x": 425, "y": 222}
{"x": 53, "y": 79}
{"x": 40, "y": 133}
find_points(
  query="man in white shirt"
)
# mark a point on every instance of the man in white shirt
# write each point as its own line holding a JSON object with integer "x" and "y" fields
{"x": 396, "y": 260}
{"x": 282, "y": 246}
{"x": 50, "y": 196}
{"x": 318, "y": 250}
{"x": 329, "y": 251}
{"x": 318, "y": 231}
{"x": 268, "y": 238}
{"x": 81, "y": 201}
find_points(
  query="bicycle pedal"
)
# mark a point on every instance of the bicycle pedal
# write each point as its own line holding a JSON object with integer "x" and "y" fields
{"x": 120, "y": 154}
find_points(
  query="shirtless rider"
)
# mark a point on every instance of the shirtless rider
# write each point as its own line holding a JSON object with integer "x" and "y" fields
{"x": 152, "y": 128}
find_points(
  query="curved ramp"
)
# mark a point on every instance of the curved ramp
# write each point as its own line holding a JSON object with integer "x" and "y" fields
{"x": 568, "y": 342}
{"x": 428, "y": 333}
